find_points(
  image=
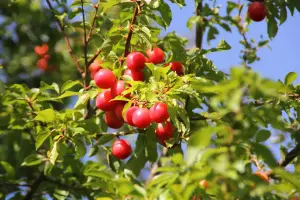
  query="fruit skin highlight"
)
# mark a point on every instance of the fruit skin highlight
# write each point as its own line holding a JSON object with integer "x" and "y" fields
{"x": 141, "y": 118}
{"x": 104, "y": 78}
{"x": 135, "y": 61}
{"x": 121, "y": 149}
{"x": 159, "y": 112}
{"x": 257, "y": 11}
{"x": 103, "y": 101}
{"x": 156, "y": 55}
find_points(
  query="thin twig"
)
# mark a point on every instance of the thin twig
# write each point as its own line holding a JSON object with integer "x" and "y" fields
{"x": 121, "y": 133}
{"x": 93, "y": 23}
{"x": 130, "y": 31}
{"x": 94, "y": 57}
{"x": 66, "y": 39}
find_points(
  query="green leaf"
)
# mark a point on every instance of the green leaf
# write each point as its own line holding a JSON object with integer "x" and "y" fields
{"x": 98, "y": 173}
{"x": 262, "y": 135}
{"x": 166, "y": 13}
{"x": 47, "y": 115}
{"x": 10, "y": 171}
{"x": 138, "y": 160}
{"x": 33, "y": 159}
{"x": 105, "y": 139}
{"x": 289, "y": 177}
{"x": 74, "y": 12}
{"x": 109, "y": 4}
{"x": 265, "y": 154}
{"x": 151, "y": 151}
{"x": 54, "y": 153}
{"x": 223, "y": 45}
{"x": 67, "y": 94}
{"x": 69, "y": 84}
{"x": 40, "y": 139}
{"x": 283, "y": 14}
{"x": 80, "y": 148}
{"x": 272, "y": 28}
{"x": 93, "y": 151}
{"x": 192, "y": 20}
{"x": 82, "y": 101}
{"x": 290, "y": 78}
{"x": 114, "y": 163}
{"x": 61, "y": 17}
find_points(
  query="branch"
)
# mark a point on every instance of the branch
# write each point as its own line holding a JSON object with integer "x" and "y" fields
{"x": 198, "y": 40}
{"x": 34, "y": 187}
{"x": 156, "y": 165}
{"x": 94, "y": 57}
{"x": 93, "y": 23}
{"x": 121, "y": 133}
{"x": 130, "y": 31}
{"x": 85, "y": 47}
{"x": 66, "y": 39}
{"x": 290, "y": 156}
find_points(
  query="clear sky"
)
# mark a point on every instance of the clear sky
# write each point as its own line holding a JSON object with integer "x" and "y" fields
{"x": 275, "y": 63}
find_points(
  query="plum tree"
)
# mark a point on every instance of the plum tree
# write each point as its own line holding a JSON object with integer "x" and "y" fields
{"x": 135, "y": 112}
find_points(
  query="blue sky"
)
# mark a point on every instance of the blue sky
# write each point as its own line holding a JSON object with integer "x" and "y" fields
{"x": 275, "y": 63}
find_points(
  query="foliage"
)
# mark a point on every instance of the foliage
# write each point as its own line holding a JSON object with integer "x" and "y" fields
{"x": 224, "y": 123}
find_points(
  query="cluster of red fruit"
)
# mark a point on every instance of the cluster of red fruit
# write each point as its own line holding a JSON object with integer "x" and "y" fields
{"x": 257, "y": 11}
{"x": 136, "y": 116}
{"x": 42, "y": 51}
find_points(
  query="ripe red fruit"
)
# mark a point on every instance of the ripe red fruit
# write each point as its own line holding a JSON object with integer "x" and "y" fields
{"x": 136, "y": 75}
{"x": 41, "y": 50}
{"x": 118, "y": 88}
{"x": 129, "y": 113}
{"x": 95, "y": 67}
{"x": 112, "y": 120}
{"x": 141, "y": 118}
{"x": 47, "y": 56}
{"x": 159, "y": 112}
{"x": 121, "y": 149}
{"x": 257, "y": 11}
{"x": 104, "y": 78}
{"x": 103, "y": 101}
{"x": 135, "y": 61}
{"x": 156, "y": 56}
{"x": 118, "y": 110}
{"x": 42, "y": 64}
{"x": 177, "y": 67}
{"x": 164, "y": 131}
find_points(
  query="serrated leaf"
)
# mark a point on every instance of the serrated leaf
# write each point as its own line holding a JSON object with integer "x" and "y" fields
{"x": 68, "y": 94}
{"x": 54, "y": 153}
{"x": 40, "y": 139}
{"x": 33, "y": 159}
{"x": 47, "y": 115}
{"x": 69, "y": 84}
{"x": 82, "y": 101}
{"x": 290, "y": 78}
